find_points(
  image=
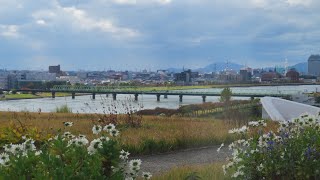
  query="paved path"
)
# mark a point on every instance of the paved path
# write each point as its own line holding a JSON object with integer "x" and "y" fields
{"x": 164, "y": 162}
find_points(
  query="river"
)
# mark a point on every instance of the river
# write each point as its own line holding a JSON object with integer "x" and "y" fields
{"x": 103, "y": 104}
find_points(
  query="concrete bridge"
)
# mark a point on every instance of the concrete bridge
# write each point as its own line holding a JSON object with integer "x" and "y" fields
{"x": 94, "y": 90}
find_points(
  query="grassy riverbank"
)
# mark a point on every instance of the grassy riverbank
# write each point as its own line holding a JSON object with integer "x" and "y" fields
{"x": 165, "y": 88}
{"x": 32, "y": 96}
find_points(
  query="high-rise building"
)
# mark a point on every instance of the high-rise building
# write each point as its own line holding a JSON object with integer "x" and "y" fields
{"x": 55, "y": 69}
{"x": 314, "y": 65}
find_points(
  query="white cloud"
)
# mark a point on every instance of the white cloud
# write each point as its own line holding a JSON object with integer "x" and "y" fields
{"x": 79, "y": 19}
{"x": 125, "y": 1}
{"x": 134, "y": 2}
{"x": 164, "y": 1}
{"x": 9, "y": 31}
{"x": 41, "y": 22}
{"x": 84, "y": 22}
{"x": 299, "y": 2}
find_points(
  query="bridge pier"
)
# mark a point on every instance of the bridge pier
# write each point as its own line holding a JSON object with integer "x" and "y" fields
{"x": 136, "y": 97}
{"x": 180, "y": 98}
{"x": 158, "y": 97}
{"x": 204, "y": 98}
{"x": 114, "y": 96}
{"x": 165, "y": 96}
{"x": 93, "y": 95}
{"x": 53, "y": 94}
{"x": 73, "y": 95}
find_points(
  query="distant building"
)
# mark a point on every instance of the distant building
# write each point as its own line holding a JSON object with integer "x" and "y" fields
{"x": 4, "y": 80}
{"x": 245, "y": 75}
{"x": 270, "y": 76}
{"x": 55, "y": 69}
{"x": 314, "y": 65}
{"x": 184, "y": 76}
{"x": 293, "y": 75}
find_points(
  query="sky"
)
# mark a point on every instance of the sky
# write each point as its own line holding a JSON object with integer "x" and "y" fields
{"x": 156, "y": 34}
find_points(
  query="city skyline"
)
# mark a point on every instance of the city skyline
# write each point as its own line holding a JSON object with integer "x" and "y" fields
{"x": 156, "y": 34}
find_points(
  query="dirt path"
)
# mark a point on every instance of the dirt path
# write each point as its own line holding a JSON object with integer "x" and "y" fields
{"x": 164, "y": 162}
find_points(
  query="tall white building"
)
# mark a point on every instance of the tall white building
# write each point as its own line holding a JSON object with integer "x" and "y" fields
{"x": 314, "y": 65}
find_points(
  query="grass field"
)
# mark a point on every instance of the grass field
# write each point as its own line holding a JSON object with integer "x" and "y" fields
{"x": 31, "y": 96}
{"x": 204, "y": 172}
{"x": 157, "y": 134}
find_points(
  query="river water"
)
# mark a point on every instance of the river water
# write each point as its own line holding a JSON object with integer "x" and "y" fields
{"x": 103, "y": 104}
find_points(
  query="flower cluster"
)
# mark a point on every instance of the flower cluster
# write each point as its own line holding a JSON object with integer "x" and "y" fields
{"x": 67, "y": 149}
{"x": 273, "y": 155}
{"x": 110, "y": 128}
{"x": 241, "y": 130}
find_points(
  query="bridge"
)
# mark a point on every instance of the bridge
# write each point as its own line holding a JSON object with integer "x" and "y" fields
{"x": 114, "y": 91}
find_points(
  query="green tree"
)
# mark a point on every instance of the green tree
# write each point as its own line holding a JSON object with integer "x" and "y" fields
{"x": 226, "y": 95}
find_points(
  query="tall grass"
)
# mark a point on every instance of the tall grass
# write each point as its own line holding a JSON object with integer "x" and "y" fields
{"x": 63, "y": 109}
{"x": 156, "y": 134}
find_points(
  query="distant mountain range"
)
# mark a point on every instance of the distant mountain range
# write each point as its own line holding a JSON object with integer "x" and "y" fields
{"x": 220, "y": 66}
{"x": 301, "y": 67}
{"x": 214, "y": 67}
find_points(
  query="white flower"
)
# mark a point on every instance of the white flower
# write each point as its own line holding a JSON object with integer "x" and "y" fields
{"x": 238, "y": 173}
{"x": 37, "y": 153}
{"x": 4, "y": 159}
{"x": 146, "y": 175}
{"x": 28, "y": 145}
{"x": 17, "y": 149}
{"x": 96, "y": 129}
{"x": 260, "y": 167}
{"x": 68, "y": 124}
{"x": 94, "y": 146}
{"x": 229, "y": 165}
{"x": 109, "y": 127}
{"x": 262, "y": 122}
{"x": 82, "y": 141}
{"x": 218, "y": 150}
{"x": 231, "y": 146}
{"x": 66, "y": 134}
{"x": 134, "y": 165}
{"x": 253, "y": 123}
{"x": 124, "y": 155}
{"x": 224, "y": 169}
{"x": 114, "y": 133}
{"x": 8, "y": 147}
{"x": 104, "y": 139}
{"x": 241, "y": 130}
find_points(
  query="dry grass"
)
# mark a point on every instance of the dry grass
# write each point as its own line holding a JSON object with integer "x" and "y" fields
{"x": 205, "y": 172}
{"x": 157, "y": 134}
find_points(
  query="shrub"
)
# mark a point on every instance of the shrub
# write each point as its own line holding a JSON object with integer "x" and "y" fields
{"x": 13, "y": 91}
{"x": 70, "y": 157}
{"x": 226, "y": 95}
{"x": 63, "y": 109}
{"x": 293, "y": 152}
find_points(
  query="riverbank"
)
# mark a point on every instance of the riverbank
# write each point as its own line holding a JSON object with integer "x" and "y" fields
{"x": 11, "y": 97}
{"x": 164, "y": 88}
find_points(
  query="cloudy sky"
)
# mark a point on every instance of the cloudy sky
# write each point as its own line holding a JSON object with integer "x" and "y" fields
{"x": 152, "y": 34}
